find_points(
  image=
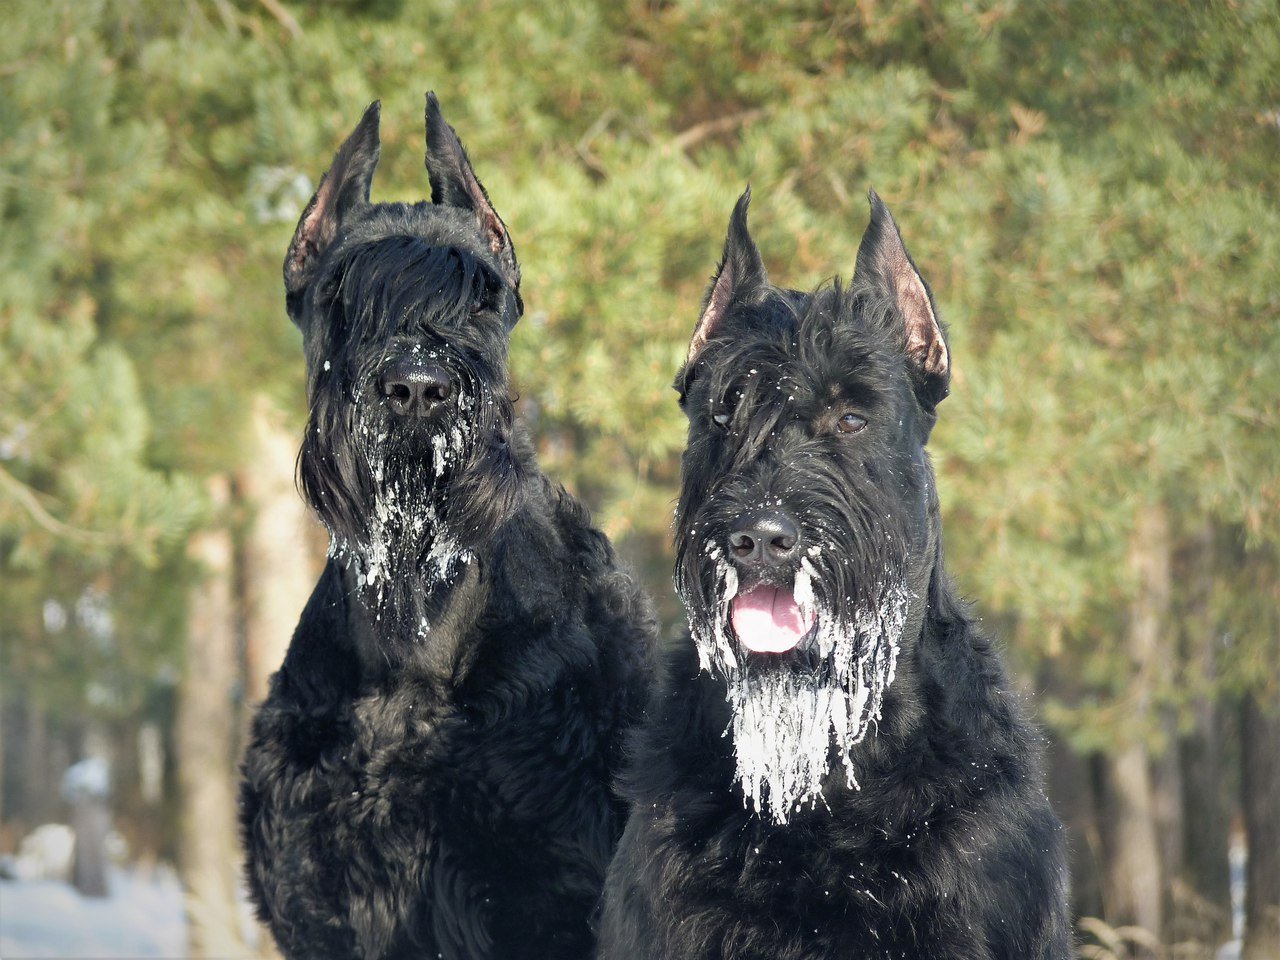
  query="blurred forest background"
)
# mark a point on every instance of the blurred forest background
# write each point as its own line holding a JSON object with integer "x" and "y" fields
{"x": 1092, "y": 188}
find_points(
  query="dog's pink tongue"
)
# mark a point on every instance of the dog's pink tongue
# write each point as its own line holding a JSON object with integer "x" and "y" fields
{"x": 768, "y": 620}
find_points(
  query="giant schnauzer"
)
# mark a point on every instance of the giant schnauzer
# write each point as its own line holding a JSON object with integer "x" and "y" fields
{"x": 833, "y": 765}
{"x": 431, "y": 773}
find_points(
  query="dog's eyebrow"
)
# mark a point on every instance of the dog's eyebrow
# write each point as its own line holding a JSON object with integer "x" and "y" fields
{"x": 858, "y": 392}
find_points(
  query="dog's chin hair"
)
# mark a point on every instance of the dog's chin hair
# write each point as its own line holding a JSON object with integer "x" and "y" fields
{"x": 407, "y": 549}
{"x": 784, "y": 721}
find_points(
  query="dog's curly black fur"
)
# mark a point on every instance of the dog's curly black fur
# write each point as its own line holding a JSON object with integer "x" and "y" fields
{"x": 925, "y": 833}
{"x": 431, "y": 773}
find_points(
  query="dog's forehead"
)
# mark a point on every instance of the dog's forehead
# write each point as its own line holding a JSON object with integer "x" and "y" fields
{"x": 818, "y": 346}
{"x": 845, "y": 358}
{"x": 434, "y": 224}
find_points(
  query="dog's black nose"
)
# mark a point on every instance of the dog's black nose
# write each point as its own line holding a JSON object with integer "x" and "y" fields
{"x": 764, "y": 538}
{"x": 414, "y": 388}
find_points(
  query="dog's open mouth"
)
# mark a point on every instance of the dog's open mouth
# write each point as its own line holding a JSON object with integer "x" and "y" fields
{"x": 767, "y": 619}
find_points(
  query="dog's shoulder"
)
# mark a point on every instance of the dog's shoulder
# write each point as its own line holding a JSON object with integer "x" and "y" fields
{"x": 321, "y": 666}
{"x": 970, "y": 702}
{"x": 678, "y": 750}
{"x": 553, "y": 549}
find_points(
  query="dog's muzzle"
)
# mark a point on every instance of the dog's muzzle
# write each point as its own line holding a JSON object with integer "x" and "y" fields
{"x": 414, "y": 388}
{"x": 764, "y": 539}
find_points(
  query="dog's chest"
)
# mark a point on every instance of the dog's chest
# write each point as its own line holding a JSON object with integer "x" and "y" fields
{"x": 408, "y": 728}
{"x": 511, "y": 756}
{"x": 859, "y": 890}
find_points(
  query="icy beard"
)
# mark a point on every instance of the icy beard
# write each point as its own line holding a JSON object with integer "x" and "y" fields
{"x": 784, "y": 722}
{"x": 407, "y": 550}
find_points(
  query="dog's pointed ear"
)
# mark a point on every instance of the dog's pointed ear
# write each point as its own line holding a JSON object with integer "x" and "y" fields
{"x": 454, "y": 183}
{"x": 883, "y": 261}
{"x": 741, "y": 273}
{"x": 343, "y": 189}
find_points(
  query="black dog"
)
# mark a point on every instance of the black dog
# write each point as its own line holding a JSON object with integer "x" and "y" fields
{"x": 431, "y": 773}
{"x": 833, "y": 765}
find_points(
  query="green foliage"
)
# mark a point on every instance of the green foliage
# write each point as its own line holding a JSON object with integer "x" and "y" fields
{"x": 85, "y": 512}
{"x": 1089, "y": 187}
{"x": 73, "y": 422}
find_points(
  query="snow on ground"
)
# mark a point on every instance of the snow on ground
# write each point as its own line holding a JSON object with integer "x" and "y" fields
{"x": 143, "y": 918}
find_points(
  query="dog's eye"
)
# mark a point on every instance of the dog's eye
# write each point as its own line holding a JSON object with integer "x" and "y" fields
{"x": 851, "y": 423}
{"x": 722, "y": 418}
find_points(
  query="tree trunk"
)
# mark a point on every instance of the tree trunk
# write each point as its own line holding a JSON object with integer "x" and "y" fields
{"x": 1206, "y": 799}
{"x": 279, "y": 568}
{"x": 205, "y": 733}
{"x": 1207, "y": 819}
{"x": 1070, "y": 783}
{"x": 1167, "y": 791}
{"x": 91, "y": 821}
{"x": 4, "y": 756}
{"x": 278, "y": 560}
{"x": 1132, "y": 873}
{"x": 1260, "y": 796}
{"x": 1133, "y": 878}
{"x": 38, "y": 795}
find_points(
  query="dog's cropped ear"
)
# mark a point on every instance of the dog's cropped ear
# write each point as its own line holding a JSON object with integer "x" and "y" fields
{"x": 883, "y": 262}
{"x": 740, "y": 275}
{"x": 342, "y": 190}
{"x": 454, "y": 183}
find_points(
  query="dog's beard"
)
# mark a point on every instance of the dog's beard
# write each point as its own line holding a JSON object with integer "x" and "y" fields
{"x": 407, "y": 551}
{"x": 787, "y": 722}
